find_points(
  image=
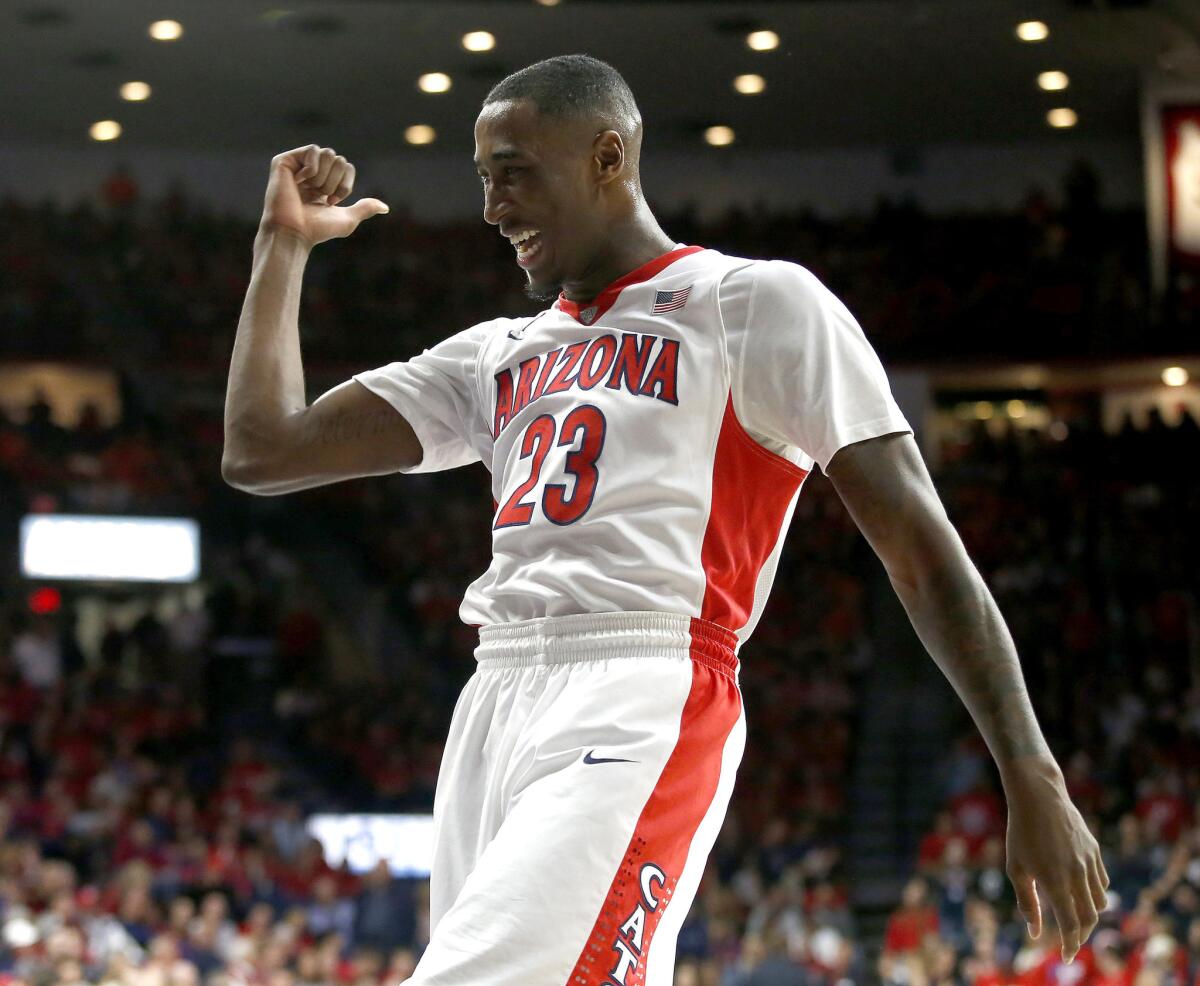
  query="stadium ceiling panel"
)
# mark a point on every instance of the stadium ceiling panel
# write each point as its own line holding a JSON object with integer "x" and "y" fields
{"x": 269, "y": 74}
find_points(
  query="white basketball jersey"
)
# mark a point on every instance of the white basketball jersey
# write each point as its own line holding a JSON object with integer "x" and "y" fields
{"x": 647, "y": 448}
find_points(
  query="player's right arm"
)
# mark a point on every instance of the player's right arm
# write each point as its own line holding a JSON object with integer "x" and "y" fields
{"x": 275, "y": 442}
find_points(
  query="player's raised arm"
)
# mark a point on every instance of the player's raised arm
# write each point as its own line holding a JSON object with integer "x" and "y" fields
{"x": 275, "y": 442}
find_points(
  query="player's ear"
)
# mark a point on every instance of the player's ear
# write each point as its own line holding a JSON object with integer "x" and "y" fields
{"x": 608, "y": 156}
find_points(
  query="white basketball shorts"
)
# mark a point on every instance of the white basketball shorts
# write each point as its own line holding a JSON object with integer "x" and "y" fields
{"x": 588, "y": 768}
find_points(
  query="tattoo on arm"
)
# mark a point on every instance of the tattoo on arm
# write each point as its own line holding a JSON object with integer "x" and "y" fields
{"x": 344, "y": 426}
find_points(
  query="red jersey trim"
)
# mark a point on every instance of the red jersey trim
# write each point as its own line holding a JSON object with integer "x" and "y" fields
{"x": 751, "y": 490}
{"x": 608, "y": 297}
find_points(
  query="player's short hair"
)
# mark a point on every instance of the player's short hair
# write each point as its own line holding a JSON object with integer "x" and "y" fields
{"x": 573, "y": 87}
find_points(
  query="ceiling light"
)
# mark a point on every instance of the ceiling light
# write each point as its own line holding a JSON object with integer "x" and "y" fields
{"x": 1062, "y": 117}
{"x": 549, "y": 3}
{"x": 434, "y": 82}
{"x": 479, "y": 41}
{"x": 1032, "y": 31}
{"x": 1175, "y": 376}
{"x": 719, "y": 136}
{"x": 983, "y": 411}
{"x": 749, "y": 85}
{"x": 105, "y": 130}
{"x": 762, "y": 40}
{"x": 420, "y": 133}
{"x": 135, "y": 92}
{"x": 166, "y": 30}
{"x": 1053, "y": 81}
{"x": 1015, "y": 409}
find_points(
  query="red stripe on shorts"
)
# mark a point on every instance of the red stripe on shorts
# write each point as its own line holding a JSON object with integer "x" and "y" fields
{"x": 616, "y": 950}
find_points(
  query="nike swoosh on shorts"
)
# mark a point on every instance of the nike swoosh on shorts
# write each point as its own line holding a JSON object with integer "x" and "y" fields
{"x": 590, "y": 758}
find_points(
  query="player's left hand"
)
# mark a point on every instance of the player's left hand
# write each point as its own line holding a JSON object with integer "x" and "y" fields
{"x": 1051, "y": 854}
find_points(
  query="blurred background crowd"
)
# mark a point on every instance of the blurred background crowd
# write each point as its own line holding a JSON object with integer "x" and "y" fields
{"x": 1060, "y": 276}
{"x": 159, "y": 753}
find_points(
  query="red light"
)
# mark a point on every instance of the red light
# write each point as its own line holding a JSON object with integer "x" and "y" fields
{"x": 45, "y": 601}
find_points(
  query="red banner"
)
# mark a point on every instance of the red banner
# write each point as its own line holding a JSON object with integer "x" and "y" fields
{"x": 1181, "y": 146}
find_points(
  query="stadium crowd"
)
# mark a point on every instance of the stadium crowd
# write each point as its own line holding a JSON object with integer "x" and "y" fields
{"x": 153, "y": 797}
{"x": 102, "y": 279}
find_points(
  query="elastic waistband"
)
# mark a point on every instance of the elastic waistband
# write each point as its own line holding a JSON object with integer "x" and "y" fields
{"x": 604, "y": 636}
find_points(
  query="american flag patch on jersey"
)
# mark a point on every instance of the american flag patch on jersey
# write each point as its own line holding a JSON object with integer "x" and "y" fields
{"x": 668, "y": 301}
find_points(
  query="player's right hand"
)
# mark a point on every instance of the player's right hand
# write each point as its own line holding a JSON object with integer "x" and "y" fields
{"x": 303, "y": 191}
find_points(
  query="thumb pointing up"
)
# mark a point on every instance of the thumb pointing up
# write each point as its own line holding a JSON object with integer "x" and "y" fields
{"x": 366, "y": 208}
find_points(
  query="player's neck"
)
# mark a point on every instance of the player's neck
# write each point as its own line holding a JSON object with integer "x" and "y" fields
{"x": 628, "y": 247}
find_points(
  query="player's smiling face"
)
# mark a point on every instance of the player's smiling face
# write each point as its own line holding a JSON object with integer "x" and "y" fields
{"x": 536, "y": 190}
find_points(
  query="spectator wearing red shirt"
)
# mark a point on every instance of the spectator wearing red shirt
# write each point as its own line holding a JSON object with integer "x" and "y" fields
{"x": 1161, "y": 808}
{"x": 1111, "y": 967}
{"x": 915, "y": 918}
{"x": 1051, "y": 970}
{"x": 1159, "y": 958}
{"x": 933, "y": 845}
{"x": 978, "y": 813}
{"x": 137, "y": 841}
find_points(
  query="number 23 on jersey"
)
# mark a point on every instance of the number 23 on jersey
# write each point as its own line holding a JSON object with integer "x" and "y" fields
{"x": 543, "y": 434}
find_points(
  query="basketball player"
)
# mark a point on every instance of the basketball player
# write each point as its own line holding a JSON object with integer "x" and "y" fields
{"x": 647, "y": 433}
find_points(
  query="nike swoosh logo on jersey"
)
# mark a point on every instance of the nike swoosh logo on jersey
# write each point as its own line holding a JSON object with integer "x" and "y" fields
{"x": 590, "y": 758}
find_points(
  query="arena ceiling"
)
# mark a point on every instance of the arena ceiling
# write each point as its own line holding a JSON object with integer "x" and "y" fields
{"x": 270, "y": 74}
